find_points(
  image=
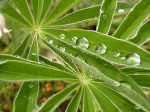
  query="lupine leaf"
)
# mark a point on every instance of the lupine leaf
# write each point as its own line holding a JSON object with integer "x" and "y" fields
{"x": 86, "y": 14}
{"x": 74, "y": 104}
{"x": 57, "y": 99}
{"x": 24, "y": 9}
{"x": 61, "y": 8}
{"x": 140, "y": 12}
{"x": 105, "y": 15}
{"x": 3, "y": 3}
{"x": 10, "y": 11}
{"x": 104, "y": 103}
{"x": 23, "y": 71}
{"x": 96, "y": 39}
{"x": 143, "y": 34}
{"x": 88, "y": 105}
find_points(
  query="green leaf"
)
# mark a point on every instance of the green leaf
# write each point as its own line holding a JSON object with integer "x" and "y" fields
{"x": 143, "y": 34}
{"x": 104, "y": 103}
{"x": 105, "y": 16}
{"x": 122, "y": 103}
{"x": 140, "y": 12}
{"x": 28, "y": 89}
{"x": 23, "y": 71}
{"x": 37, "y": 6}
{"x": 57, "y": 99}
{"x": 143, "y": 80}
{"x": 23, "y": 7}
{"x": 86, "y": 14}
{"x": 10, "y": 11}
{"x": 88, "y": 105}
{"x": 46, "y": 8}
{"x": 95, "y": 40}
{"x": 26, "y": 99}
{"x": 3, "y": 3}
{"x": 74, "y": 104}
{"x": 61, "y": 8}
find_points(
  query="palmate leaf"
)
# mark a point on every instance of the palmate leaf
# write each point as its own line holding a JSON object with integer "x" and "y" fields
{"x": 125, "y": 91}
{"x": 96, "y": 40}
{"x": 106, "y": 14}
{"x": 138, "y": 14}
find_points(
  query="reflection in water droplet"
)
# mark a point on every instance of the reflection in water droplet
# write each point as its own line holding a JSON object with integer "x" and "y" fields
{"x": 51, "y": 42}
{"x": 133, "y": 59}
{"x": 84, "y": 43}
{"x": 116, "y": 53}
{"x": 101, "y": 11}
{"x": 101, "y": 49}
{"x": 62, "y": 36}
{"x": 121, "y": 10}
{"x": 30, "y": 85}
{"x": 34, "y": 53}
{"x": 62, "y": 48}
{"x": 122, "y": 58}
{"x": 116, "y": 83}
{"x": 74, "y": 39}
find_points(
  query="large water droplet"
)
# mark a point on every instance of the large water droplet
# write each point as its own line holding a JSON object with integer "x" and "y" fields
{"x": 121, "y": 10}
{"x": 84, "y": 43}
{"x": 116, "y": 83}
{"x": 101, "y": 49}
{"x": 133, "y": 59}
{"x": 30, "y": 85}
{"x": 51, "y": 42}
{"x": 116, "y": 53}
{"x": 74, "y": 40}
{"x": 62, "y": 48}
{"x": 62, "y": 36}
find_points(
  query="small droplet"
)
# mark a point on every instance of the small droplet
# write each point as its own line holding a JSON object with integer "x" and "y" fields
{"x": 101, "y": 49}
{"x": 62, "y": 48}
{"x": 51, "y": 42}
{"x": 116, "y": 53}
{"x": 121, "y": 10}
{"x": 101, "y": 11}
{"x": 133, "y": 59}
{"x": 122, "y": 58}
{"x": 34, "y": 53}
{"x": 84, "y": 43}
{"x": 62, "y": 36}
{"x": 17, "y": 56}
{"x": 30, "y": 85}
{"x": 74, "y": 39}
{"x": 116, "y": 83}
{"x": 54, "y": 60}
{"x": 137, "y": 107}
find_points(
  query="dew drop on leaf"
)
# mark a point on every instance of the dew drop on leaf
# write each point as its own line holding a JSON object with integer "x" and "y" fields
{"x": 101, "y": 11}
{"x": 115, "y": 83}
{"x": 121, "y": 10}
{"x": 137, "y": 107}
{"x": 133, "y": 59}
{"x": 122, "y": 58}
{"x": 54, "y": 60}
{"x": 30, "y": 85}
{"x": 51, "y": 42}
{"x": 116, "y": 53}
{"x": 74, "y": 40}
{"x": 62, "y": 36}
{"x": 83, "y": 42}
{"x": 17, "y": 56}
{"x": 101, "y": 49}
{"x": 62, "y": 48}
{"x": 34, "y": 53}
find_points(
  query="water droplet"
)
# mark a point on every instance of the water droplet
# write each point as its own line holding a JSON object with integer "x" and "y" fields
{"x": 137, "y": 107}
{"x": 62, "y": 36}
{"x": 133, "y": 59}
{"x": 122, "y": 58}
{"x": 84, "y": 43}
{"x": 30, "y": 85}
{"x": 116, "y": 53}
{"x": 51, "y": 42}
{"x": 17, "y": 56}
{"x": 101, "y": 49}
{"x": 62, "y": 48}
{"x": 116, "y": 83}
{"x": 34, "y": 53}
{"x": 121, "y": 10}
{"x": 54, "y": 60}
{"x": 74, "y": 39}
{"x": 101, "y": 11}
